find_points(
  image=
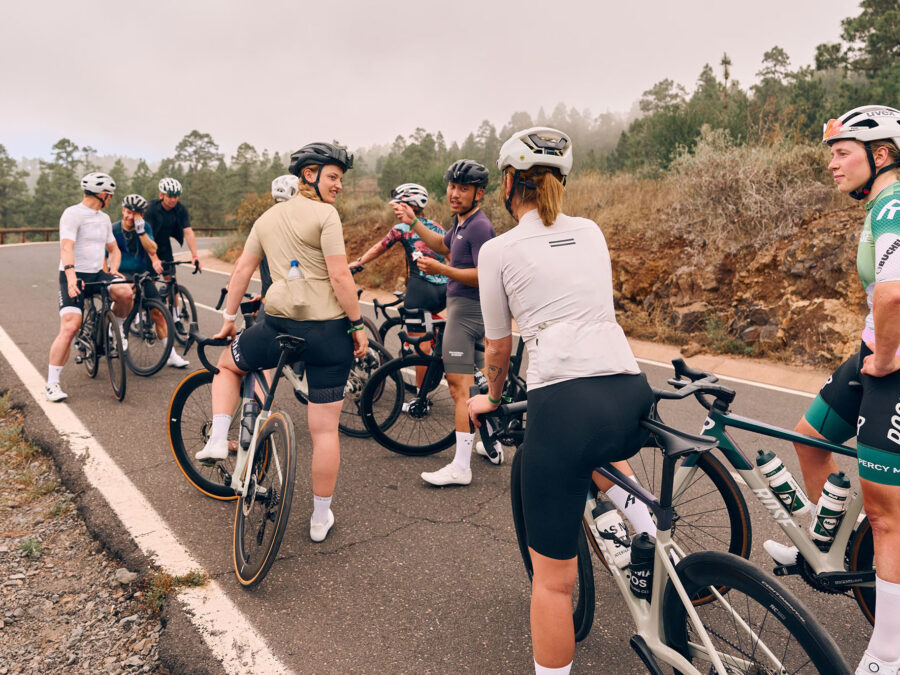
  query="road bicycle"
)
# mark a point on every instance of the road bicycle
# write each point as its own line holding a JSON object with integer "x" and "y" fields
{"x": 260, "y": 468}
{"x": 407, "y": 406}
{"x": 179, "y": 300}
{"x": 389, "y": 329}
{"x": 845, "y": 565}
{"x": 701, "y": 612}
{"x": 147, "y": 351}
{"x": 99, "y": 335}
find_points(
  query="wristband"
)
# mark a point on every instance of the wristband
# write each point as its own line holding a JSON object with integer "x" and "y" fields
{"x": 497, "y": 402}
{"x": 356, "y": 328}
{"x": 415, "y": 220}
{"x": 139, "y": 226}
{"x": 357, "y": 322}
{"x": 229, "y": 317}
{"x": 68, "y": 267}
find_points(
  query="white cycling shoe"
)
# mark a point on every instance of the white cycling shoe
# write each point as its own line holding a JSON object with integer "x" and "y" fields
{"x": 214, "y": 450}
{"x": 55, "y": 393}
{"x": 318, "y": 531}
{"x": 175, "y": 361}
{"x": 872, "y": 666}
{"x": 449, "y": 475}
{"x": 781, "y": 554}
{"x": 479, "y": 450}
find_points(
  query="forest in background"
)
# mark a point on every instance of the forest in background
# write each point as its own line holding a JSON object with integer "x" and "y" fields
{"x": 716, "y": 125}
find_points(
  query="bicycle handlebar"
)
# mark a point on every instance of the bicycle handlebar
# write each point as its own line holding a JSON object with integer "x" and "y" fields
{"x": 223, "y": 293}
{"x": 701, "y": 384}
{"x": 170, "y": 265}
{"x": 382, "y": 306}
{"x": 202, "y": 343}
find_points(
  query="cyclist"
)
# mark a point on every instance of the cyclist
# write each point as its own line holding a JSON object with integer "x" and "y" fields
{"x": 865, "y": 158}
{"x": 471, "y": 228}
{"x": 423, "y": 291}
{"x": 170, "y": 220}
{"x": 137, "y": 248}
{"x": 586, "y": 395}
{"x": 85, "y": 236}
{"x": 320, "y": 307}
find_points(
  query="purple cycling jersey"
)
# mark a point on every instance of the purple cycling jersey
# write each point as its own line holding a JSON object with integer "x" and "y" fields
{"x": 465, "y": 241}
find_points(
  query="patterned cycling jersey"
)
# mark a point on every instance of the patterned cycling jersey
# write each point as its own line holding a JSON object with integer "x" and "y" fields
{"x": 412, "y": 244}
{"x": 878, "y": 253}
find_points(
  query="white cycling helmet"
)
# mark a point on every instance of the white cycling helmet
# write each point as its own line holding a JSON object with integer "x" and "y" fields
{"x": 538, "y": 146}
{"x": 98, "y": 183}
{"x": 134, "y": 202}
{"x": 284, "y": 187}
{"x": 866, "y": 124}
{"x": 170, "y": 186}
{"x": 410, "y": 193}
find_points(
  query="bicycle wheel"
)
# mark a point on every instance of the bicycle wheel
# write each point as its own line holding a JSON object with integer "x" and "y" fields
{"x": 861, "y": 557}
{"x": 371, "y": 329}
{"x": 261, "y": 515}
{"x": 389, "y": 334}
{"x": 86, "y": 341}
{"x": 759, "y": 627}
{"x": 184, "y": 311}
{"x": 404, "y": 418}
{"x": 146, "y": 353}
{"x": 114, "y": 351}
{"x": 189, "y": 424}
{"x": 351, "y": 421}
{"x": 583, "y": 598}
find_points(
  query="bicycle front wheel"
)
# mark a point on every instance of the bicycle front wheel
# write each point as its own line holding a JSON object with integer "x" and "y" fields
{"x": 261, "y": 514}
{"x": 862, "y": 559}
{"x": 184, "y": 312}
{"x": 351, "y": 421}
{"x": 147, "y": 352}
{"x": 406, "y": 418}
{"x": 759, "y": 627}
{"x": 389, "y": 334}
{"x": 114, "y": 351}
{"x": 86, "y": 340}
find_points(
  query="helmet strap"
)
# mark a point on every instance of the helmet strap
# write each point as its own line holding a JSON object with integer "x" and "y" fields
{"x": 512, "y": 191}
{"x": 315, "y": 186}
{"x": 865, "y": 190}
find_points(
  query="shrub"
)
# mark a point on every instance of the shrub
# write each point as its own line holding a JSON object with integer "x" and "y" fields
{"x": 251, "y": 208}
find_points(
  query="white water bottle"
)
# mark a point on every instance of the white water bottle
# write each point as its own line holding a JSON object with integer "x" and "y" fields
{"x": 607, "y": 519}
{"x": 295, "y": 272}
{"x": 830, "y": 509}
{"x": 782, "y": 483}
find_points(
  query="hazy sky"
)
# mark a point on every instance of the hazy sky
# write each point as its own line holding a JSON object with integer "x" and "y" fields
{"x": 132, "y": 77}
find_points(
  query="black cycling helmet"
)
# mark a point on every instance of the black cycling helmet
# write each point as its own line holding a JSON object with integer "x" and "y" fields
{"x": 467, "y": 172}
{"x": 319, "y": 154}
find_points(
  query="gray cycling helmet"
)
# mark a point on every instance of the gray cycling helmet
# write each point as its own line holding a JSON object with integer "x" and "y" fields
{"x": 97, "y": 183}
{"x": 319, "y": 154}
{"x": 134, "y": 202}
{"x": 467, "y": 172}
{"x": 410, "y": 193}
{"x": 170, "y": 186}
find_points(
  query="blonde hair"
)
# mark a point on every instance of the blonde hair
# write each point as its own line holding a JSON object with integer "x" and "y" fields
{"x": 893, "y": 153}
{"x": 304, "y": 188}
{"x": 547, "y": 191}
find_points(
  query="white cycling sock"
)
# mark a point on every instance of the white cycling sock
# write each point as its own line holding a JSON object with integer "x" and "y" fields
{"x": 53, "y": 373}
{"x": 463, "y": 457}
{"x": 636, "y": 511}
{"x": 119, "y": 321}
{"x": 884, "y": 644}
{"x": 320, "y": 509}
{"x": 220, "y": 426}
{"x": 543, "y": 670}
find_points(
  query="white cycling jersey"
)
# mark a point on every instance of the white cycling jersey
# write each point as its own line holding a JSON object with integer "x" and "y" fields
{"x": 557, "y": 282}
{"x": 91, "y": 231}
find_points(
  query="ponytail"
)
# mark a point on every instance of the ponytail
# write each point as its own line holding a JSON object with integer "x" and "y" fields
{"x": 542, "y": 186}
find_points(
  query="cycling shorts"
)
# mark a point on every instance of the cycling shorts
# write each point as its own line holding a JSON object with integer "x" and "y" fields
{"x": 464, "y": 328}
{"x": 871, "y": 412}
{"x": 574, "y": 427}
{"x": 422, "y": 294}
{"x": 328, "y": 354}
{"x": 75, "y": 305}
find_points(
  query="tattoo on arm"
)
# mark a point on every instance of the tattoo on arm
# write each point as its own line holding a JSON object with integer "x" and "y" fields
{"x": 494, "y": 373}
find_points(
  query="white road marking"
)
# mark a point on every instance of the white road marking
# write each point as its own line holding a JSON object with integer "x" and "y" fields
{"x": 227, "y": 632}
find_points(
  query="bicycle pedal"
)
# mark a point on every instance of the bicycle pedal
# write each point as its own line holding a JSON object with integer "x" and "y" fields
{"x": 786, "y": 570}
{"x": 79, "y": 359}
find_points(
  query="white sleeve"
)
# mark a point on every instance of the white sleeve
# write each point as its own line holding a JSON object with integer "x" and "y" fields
{"x": 110, "y": 237}
{"x": 494, "y": 301}
{"x": 69, "y": 223}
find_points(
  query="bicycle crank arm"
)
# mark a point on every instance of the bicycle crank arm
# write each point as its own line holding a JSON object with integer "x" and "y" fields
{"x": 835, "y": 580}
{"x": 639, "y": 645}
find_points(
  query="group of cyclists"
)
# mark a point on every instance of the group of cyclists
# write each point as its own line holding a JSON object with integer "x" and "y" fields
{"x": 552, "y": 274}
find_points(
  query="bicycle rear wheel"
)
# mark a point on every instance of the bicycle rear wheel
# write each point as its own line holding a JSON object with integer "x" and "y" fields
{"x": 404, "y": 418}
{"x": 147, "y": 353}
{"x": 86, "y": 339}
{"x": 115, "y": 354}
{"x": 759, "y": 627}
{"x": 861, "y": 557}
{"x": 389, "y": 335}
{"x": 583, "y": 597}
{"x": 184, "y": 312}
{"x": 261, "y": 515}
{"x": 351, "y": 421}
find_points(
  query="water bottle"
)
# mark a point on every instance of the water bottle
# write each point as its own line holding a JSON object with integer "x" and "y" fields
{"x": 782, "y": 483}
{"x": 295, "y": 272}
{"x": 830, "y": 509}
{"x": 481, "y": 381}
{"x": 607, "y": 519}
{"x": 248, "y": 421}
{"x": 643, "y": 550}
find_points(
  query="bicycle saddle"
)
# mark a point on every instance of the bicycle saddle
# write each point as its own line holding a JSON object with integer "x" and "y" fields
{"x": 290, "y": 342}
{"x": 675, "y": 443}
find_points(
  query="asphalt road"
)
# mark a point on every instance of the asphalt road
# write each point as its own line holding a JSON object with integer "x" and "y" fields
{"x": 411, "y": 578}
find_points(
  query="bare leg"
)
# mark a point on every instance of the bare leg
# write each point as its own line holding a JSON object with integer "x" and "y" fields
{"x": 815, "y": 464}
{"x": 459, "y": 384}
{"x": 552, "y": 631}
{"x": 326, "y": 459}
{"x": 226, "y": 386}
{"x": 69, "y": 323}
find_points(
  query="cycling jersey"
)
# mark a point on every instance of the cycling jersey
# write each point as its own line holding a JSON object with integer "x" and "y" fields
{"x": 167, "y": 224}
{"x": 557, "y": 282}
{"x": 134, "y": 256}
{"x": 412, "y": 244}
{"x": 91, "y": 231}
{"x": 465, "y": 241}
{"x": 878, "y": 253}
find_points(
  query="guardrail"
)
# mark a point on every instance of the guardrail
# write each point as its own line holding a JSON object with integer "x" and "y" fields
{"x": 48, "y": 232}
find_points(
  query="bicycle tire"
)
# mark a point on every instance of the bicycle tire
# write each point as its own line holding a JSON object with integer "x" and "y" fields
{"x": 146, "y": 353}
{"x": 389, "y": 335}
{"x": 584, "y": 594}
{"x": 260, "y": 519}
{"x": 189, "y": 425}
{"x": 184, "y": 312}
{"x": 114, "y": 353}
{"x": 87, "y": 338}
{"x": 767, "y": 605}
{"x": 351, "y": 421}
{"x": 427, "y": 426}
{"x": 861, "y": 557}
{"x": 371, "y": 329}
